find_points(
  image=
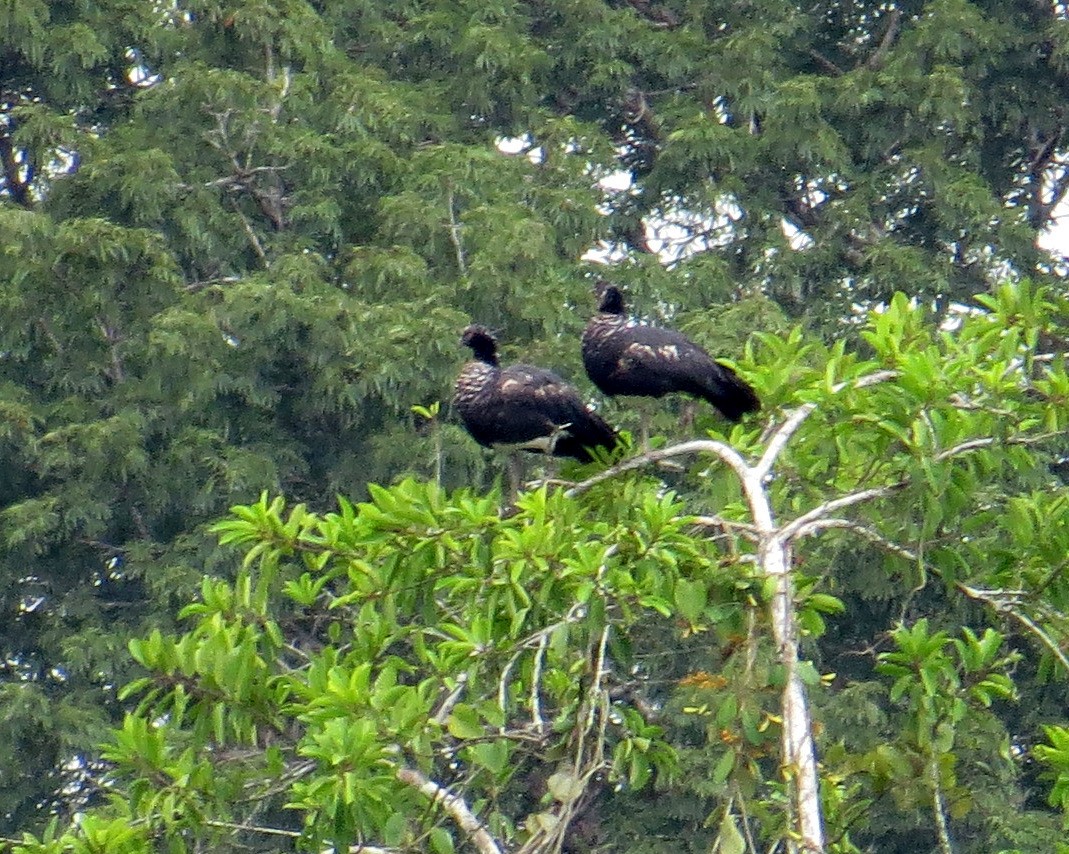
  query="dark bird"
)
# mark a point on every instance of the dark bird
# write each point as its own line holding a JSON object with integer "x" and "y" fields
{"x": 625, "y": 357}
{"x": 522, "y": 407}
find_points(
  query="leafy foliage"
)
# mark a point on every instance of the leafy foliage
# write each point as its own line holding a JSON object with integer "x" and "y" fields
{"x": 365, "y": 661}
{"x": 239, "y": 240}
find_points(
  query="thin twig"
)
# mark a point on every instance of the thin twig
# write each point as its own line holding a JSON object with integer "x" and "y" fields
{"x": 781, "y": 436}
{"x": 988, "y": 441}
{"x": 583, "y": 770}
{"x": 826, "y": 63}
{"x": 442, "y": 715}
{"x": 239, "y": 179}
{"x": 253, "y": 828}
{"x": 254, "y": 241}
{"x": 745, "y": 528}
{"x": 791, "y": 529}
{"x": 599, "y": 671}
{"x": 536, "y": 679}
{"x": 889, "y": 35}
{"x": 857, "y": 528}
{"x": 1003, "y": 601}
{"x": 1007, "y": 607}
{"x": 535, "y": 639}
{"x": 750, "y": 841}
{"x": 454, "y": 235}
{"x": 592, "y": 696}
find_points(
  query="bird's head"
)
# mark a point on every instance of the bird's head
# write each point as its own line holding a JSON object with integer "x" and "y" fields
{"x": 611, "y": 300}
{"x": 482, "y": 342}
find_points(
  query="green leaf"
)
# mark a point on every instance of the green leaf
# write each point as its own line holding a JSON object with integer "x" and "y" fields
{"x": 493, "y": 756}
{"x": 565, "y": 787}
{"x": 723, "y": 768}
{"x": 729, "y": 839}
{"x": 441, "y": 840}
{"x": 464, "y": 722}
{"x": 690, "y": 598}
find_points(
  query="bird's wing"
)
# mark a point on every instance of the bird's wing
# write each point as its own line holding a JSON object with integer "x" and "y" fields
{"x": 536, "y": 395}
{"x": 665, "y": 360}
{"x": 663, "y": 351}
{"x": 541, "y": 391}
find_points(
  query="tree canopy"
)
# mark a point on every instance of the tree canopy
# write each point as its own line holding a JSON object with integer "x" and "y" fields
{"x": 240, "y": 240}
{"x": 419, "y": 672}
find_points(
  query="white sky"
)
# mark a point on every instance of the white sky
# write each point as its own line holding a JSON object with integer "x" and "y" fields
{"x": 670, "y": 240}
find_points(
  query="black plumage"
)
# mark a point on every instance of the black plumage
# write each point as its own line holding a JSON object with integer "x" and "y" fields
{"x": 625, "y": 357}
{"x": 523, "y": 407}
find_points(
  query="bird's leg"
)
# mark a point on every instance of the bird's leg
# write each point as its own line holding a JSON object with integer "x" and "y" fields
{"x": 686, "y": 416}
{"x": 644, "y": 424}
{"x": 515, "y": 471}
{"x": 646, "y": 407}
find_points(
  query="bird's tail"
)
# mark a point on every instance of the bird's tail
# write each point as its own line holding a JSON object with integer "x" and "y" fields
{"x": 729, "y": 393}
{"x": 591, "y": 431}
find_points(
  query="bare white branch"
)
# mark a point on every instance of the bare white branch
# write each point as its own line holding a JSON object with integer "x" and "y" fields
{"x": 791, "y": 529}
{"x": 990, "y": 441}
{"x": 536, "y": 684}
{"x": 454, "y": 236}
{"x": 599, "y": 673}
{"x": 459, "y": 811}
{"x": 538, "y": 640}
{"x": 781, "y": 436}
{"x": 865, "y": 531}
{"x": 288, "y": 834}
{"x": 582, "y": 766}
{"x": 698, "y": 446}
{"x": 252, "y": 828}
{"x": 962, "y": 401}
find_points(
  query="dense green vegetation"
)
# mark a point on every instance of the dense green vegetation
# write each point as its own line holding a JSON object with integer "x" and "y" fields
{"x": 239, "y": 242}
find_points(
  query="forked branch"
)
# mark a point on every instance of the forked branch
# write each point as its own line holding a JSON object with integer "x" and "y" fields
{"x": 782, "y": 434}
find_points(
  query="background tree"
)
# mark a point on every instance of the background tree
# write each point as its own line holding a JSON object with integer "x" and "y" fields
{"x": 240, "y": 239}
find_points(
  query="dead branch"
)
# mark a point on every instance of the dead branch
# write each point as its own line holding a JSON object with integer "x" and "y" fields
{"x": 254, "y": 241}
{"x": 744, "y": 528}
{"x": 889, "y": 35}
{"x": 825, "y": 63}
{"x": 865, "y": 531}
